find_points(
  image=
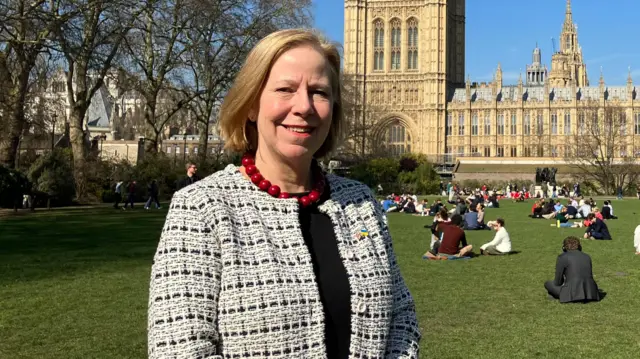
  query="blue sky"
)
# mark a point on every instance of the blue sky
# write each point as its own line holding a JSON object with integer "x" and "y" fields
{"x": 506, "y": 31}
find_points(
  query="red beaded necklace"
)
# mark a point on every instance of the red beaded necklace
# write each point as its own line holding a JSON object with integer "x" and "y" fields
{"x": 249, "y": 164}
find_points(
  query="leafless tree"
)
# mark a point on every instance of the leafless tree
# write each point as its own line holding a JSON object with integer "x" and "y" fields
{"x": 601, "y": 150}
{"x": 221, "y": 36}
{"x": 154, "y": 50}
{"x": 26, "y": 29}
{"x": 90, "y": 42}
{"x": 360, "y": 139}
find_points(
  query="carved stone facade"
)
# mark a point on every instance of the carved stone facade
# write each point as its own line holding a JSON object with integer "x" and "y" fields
{"x": 424, "y": 105}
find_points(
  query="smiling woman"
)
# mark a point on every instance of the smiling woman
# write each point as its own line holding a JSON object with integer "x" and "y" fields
{"x": 269, "y": 259}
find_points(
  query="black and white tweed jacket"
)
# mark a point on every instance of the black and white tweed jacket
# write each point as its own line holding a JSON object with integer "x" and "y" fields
{"x": 232, "y": 277}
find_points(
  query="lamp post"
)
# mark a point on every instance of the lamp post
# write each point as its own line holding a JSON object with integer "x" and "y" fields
{"x": 53, "y": 130}
{"x": 175, "y": 153}
{"x": 184, "y": 153}
{"x": 103, "y": 137}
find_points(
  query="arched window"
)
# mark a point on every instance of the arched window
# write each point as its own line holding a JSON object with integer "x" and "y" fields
{"x": 412, "y": 44}
{"x": 397, "y": 138}
{"x": 378, "y": 45}
{"x": 396, "y": 36}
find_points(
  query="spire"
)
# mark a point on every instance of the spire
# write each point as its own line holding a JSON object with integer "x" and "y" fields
{"x": 629, "y": 79}
{"x": 520, "y": 78}
{"x": 568, "y": 19}
{"x": 601, "y": 77}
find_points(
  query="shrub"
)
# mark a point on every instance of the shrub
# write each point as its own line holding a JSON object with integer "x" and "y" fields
{"x": 52, "y": 174}
{"x": 13, "y": 184}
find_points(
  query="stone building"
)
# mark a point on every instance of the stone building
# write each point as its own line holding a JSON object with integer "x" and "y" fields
{"x": 405, "y": 61}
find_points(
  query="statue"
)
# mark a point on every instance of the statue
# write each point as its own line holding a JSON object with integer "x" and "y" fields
{"x": 546, "y": 174}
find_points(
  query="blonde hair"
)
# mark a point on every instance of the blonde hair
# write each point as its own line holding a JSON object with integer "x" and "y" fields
{"x": 241, "y": 135}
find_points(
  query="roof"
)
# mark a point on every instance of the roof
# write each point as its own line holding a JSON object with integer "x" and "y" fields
{"x": 537, "y": 93}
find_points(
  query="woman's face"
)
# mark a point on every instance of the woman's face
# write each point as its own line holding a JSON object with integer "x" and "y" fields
{"x": 296, "y": 106}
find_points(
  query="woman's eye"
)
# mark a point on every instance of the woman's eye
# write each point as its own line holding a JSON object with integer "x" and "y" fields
{"x": 284, "y": 89}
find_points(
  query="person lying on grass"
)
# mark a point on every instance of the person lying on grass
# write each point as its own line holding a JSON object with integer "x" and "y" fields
{"x": 597, "y": 229}
{"x": 573, "y": 281}
{"x": 501, "y": 243}
{"x": 451, "y": 242}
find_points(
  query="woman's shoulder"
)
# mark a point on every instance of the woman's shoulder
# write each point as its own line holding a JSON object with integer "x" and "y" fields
{"x": 349, "y": 189}
{"x": 224, "y": 182}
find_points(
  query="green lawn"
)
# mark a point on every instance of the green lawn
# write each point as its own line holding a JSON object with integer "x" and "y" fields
{"x": 73, "y": 284}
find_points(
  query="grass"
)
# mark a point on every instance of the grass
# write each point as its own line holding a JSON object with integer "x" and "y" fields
{"x": 74, "y": 284}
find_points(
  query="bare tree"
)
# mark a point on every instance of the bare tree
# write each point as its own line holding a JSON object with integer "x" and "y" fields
{"x": 221, "y": 36}
{"x": 600, "y": 149}
{"x": 360, "y": 139}
{"x": 25, "y": 31}
{"x": 90, "y": 42}
{"x": 154, "y": 50}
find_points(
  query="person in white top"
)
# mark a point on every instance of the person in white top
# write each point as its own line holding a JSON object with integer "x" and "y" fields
{"x": 501, "y": 243}
{"x": 636, "y": 240}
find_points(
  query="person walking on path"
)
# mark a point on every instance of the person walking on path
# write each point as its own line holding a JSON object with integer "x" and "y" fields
{"x": 153, "y": 195}
{"x": 131, "y": 194}
{"x": 117, "y": 196}
{"x": 191, "y": 176}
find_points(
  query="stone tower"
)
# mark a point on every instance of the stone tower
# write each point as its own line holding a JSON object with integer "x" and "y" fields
{"x": 567, "y": 66}
{"x": 536, "y": 72}
{"x": 402, "y": 60}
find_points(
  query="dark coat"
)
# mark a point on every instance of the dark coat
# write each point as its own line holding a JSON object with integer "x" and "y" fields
{"x": 186, "y": 181}
{"x": 599, "y": 226}
{"x": 574, "y": 275}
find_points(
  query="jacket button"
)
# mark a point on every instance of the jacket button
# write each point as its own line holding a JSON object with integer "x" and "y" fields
{"x": 362, "y": 307}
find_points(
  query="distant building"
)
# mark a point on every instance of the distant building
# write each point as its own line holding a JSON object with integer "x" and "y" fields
{"x": 405, "y": 62}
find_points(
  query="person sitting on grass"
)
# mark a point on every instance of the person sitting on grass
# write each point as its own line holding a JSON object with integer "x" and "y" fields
{"x": 572, "y": 211}
{"x": 470, "y": 220}
{"x": 451, "y": 242}
{"x": 607, "y": 211}
{"x": 562, "y": 220}
{"x": 597, "y": 229}
{"x": 435, "y": 208}
{"x": 422, "y": 209}
{"x": 574, "y": 277}
{"x": 501, "y": 243}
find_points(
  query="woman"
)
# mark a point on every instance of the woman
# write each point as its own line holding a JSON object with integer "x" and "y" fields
{"x": 275, "y": 258}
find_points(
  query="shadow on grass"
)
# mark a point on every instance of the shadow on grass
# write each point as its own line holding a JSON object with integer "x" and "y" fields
{"x": 64, "y": 242}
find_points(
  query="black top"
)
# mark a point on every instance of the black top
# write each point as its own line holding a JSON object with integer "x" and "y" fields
{"x": 331, "y": 277}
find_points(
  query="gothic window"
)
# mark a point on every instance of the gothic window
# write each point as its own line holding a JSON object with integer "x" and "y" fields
{"x": 527, "y": 151}
{"x": 581, "y": 124}
{"x": 500, "y": 130}
{"x": 500, "y": 151}
{"x": 623, "y": 124}
{"x": 567, "y": 123}
{"x": 514, "y": 124}
{"x": 412, "y": 42}
{"x": 487, "y": 124}
{"x": 378, "y": 45}
{"x": 487, "y": 151}
{"x": 395, "y": 44}
{"x": 474, "y": 124}
{"x": 527, "y": 125}
{"x": 461, "y": 125}
{"x": 554, "y": 123}
{"x": 398, "y": 140}
{"x": 449, "y": 125}
{"x": 636, "y": 124}
{"x": 540, "y": 124}
{"x": 514, "y": 151}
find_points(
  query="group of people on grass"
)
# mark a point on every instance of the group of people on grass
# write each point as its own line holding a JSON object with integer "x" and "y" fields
{"x": 589, "y": 215}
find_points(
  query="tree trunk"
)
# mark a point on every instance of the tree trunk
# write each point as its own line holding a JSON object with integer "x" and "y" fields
{"x": 9, "y": 144}
{"x": 204, "y": 142}
{"x": 17, "y": 98}
{"x": 79, "y": 150}
{"x": 151, "y": 146}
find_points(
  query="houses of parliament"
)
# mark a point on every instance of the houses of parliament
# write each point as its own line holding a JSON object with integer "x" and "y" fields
{"x": 406, "y": 62}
